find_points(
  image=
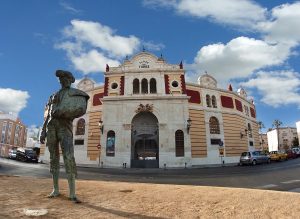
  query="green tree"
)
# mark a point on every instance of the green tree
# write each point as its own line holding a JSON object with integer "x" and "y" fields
{"x": 295, "y": 142}
{"x": 261, "y": 126}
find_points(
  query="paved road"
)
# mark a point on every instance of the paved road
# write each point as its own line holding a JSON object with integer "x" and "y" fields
{"x": 280, "y": 176}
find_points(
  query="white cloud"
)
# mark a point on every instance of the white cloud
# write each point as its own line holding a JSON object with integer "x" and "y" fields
{"x": 13, "y": 100}
{"x": 102, "y": 37}
{"x": 277, "y": 87}
{"x": 69, "y": 8}
{"x": 239, "y": 58}
{"x": 283, "y": 26}
{"x": 91, "y": 45}
{"x": 240, "y": 13}
{"x": 153, "y": 46}
{"x": 160, "y": 3}
{"x": 92, "y": 61}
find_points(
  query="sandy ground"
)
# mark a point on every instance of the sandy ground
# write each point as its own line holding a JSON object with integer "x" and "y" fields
{"x": 22, "y": 196}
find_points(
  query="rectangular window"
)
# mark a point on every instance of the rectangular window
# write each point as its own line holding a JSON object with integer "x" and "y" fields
{"x": 110, "y": 144}
{"x": 17, "y": 134}
{"x": 251, "y": 143}
{"x": 4, "y": 124}
{"x": 179, "y": 142}
{"x": 9, "y": 133}
{"x": 215, "y": 141}
{"x": 79, "y": 142}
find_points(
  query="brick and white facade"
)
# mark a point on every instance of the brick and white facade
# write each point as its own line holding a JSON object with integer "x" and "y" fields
{"x": 145, "y": 106}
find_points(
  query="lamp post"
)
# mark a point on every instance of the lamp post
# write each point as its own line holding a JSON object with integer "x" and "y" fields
{"x": 100, "y": 124}
{"x": 188, "y": 125}
{"x": 242, "y": 134}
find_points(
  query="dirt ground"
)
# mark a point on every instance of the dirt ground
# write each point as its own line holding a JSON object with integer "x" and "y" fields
{"x": 22, "y": 197}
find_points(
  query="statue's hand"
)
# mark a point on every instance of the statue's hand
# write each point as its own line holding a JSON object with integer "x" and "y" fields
{"x": 43, "y": 137}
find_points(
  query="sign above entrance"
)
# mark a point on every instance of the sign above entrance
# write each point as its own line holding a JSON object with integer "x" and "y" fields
{"x": 144, "y": 108}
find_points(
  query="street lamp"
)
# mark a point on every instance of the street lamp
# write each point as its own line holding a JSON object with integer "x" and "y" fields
{"x": 188, "y": 125}
{"x": 242, "y": 134}
{"x": 101, "y": 126}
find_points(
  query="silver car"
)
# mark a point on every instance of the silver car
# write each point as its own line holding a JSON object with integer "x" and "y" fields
{"x": 12, "y": 154}
{"x": 254, "y": 157}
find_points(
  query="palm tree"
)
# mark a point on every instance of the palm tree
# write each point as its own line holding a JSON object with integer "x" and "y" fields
{"x": 277, "y": 123}
{"x": 261, "y": 126}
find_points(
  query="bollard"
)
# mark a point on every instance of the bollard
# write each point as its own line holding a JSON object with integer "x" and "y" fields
{"x": 125, "y": 165}
{"x": 184, "y": 165}
{"x": 165, "y": 166}
{"x": 101, "y": 164}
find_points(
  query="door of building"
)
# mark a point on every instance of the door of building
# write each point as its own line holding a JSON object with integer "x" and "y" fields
{"x": 144, "y": 141}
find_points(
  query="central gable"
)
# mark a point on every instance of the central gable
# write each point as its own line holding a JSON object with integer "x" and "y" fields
{"x": 144, "y": 60}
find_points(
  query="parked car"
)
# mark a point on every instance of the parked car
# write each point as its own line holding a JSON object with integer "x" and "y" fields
{"x": 254, "y": 157}
{"x": 278, "y": 156}
{"x": 26, "y": 155}
{"x": 291, "y": 154}
{"x": 297, "y": 151}
{"x": 12, "y": 154}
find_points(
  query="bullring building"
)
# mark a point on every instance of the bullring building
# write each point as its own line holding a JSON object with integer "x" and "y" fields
{"x": 147, "y": 115}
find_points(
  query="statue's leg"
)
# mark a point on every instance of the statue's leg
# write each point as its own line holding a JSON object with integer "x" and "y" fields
{"x": 52, "y": 144}
{"x": 70, "y": 165}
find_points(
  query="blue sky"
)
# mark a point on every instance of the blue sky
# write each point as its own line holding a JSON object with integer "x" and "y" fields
{"x": 253, "y": 44}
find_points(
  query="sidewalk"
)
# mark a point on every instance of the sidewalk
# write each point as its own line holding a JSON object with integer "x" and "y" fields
{"x": 20, "y": 196}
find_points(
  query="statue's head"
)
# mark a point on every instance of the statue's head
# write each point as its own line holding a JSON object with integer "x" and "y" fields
{"x": 65, "y": 78}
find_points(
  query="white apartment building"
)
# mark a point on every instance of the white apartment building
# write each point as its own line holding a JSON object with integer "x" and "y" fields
{"x": 285, "y": 138}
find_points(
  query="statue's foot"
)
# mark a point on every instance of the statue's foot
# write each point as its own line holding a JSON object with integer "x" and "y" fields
{"x": 53, "y": 194}
{"x": 75, "y": 200}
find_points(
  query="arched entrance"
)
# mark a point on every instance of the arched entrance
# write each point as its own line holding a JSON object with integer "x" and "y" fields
{"x": 144, "y": 141}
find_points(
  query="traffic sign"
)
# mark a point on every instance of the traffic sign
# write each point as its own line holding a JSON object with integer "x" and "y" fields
{"x": 221, "y": 143}
{"x": 98, "y": 146}
{"x": 221, "y": 152}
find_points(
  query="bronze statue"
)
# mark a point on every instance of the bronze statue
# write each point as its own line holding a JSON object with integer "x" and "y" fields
{"x": 63, "y": 106}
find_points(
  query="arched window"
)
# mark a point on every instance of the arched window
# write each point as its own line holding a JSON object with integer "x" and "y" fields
{"x": 136, "y": 86}
{"x": 110, "y": 144}
{"x": 153, "y": 86}
{"x": 249, "y": 130}
{"x": 80, "y": 128}
{"x": 179, "y": 143}
{"x": 144, "y": 86}
{"x": 214, "y": 126}
{"x": 214, "y": 101}
{"x": 208, "y": 101}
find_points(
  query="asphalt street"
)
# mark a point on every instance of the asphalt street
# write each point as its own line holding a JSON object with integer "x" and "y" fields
{"x": 280, "y": 176}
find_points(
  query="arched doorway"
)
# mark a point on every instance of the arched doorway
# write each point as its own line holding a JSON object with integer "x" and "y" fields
{"x": 144, "y": 141}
